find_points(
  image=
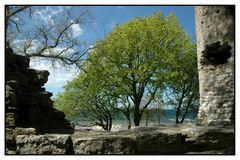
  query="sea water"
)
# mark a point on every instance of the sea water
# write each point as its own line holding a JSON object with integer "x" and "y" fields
{"x": 120, "y": 123}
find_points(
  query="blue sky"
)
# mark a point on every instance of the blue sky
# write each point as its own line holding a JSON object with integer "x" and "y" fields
{"x": 102, "y": 21}
{"x": 108, "y": 16}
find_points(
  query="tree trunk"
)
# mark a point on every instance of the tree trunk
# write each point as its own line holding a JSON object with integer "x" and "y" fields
{"x": 158, "y": 119}
{"x": 129, "y": 124}
{"x": 180, "y": 105}
{"x": 186, "y": 111}
{"x": 137, "y": 116}
{"x": 129, "y": 120}
{"x": 146, "y": 121}
{"x": 136, "y": 119}
{"x": 127, "y": 115}
{"x": 184, "y": 115}
{"x": 177, "y": 115}
{"x": 106, "y": 126}
{"x": 110, "y": 123}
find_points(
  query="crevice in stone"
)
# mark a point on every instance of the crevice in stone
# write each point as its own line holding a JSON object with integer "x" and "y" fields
{"x": 216, "y": 54}
{"x": 70, "y": 150}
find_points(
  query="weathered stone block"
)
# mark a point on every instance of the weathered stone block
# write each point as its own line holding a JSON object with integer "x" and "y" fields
{"x": 44, "y": 144}
{"x": 40, "y": 95}
{"x": 12, "y": 109}
{"x": 13, "y": 84}
{"x": 10, "y": 136}
{"x": 46, "y": 103}
{"x": 37, "y": 77}
{"x": 161, "y": 143}
{"x": 20, "y": 78}
{"x": 32, "y": 75}
{"x": 42, "y": 76}
{"x": 104, "y": 145}
{"x": 215, "y": 139}
{"x": 11, "y": 99}
{"x": 24, "y": 131}
{"x": 11, "y": 119}
{"x": 28, "y": 104}
{"x": 22, "y": 61}
{"x": 25, "y": 101}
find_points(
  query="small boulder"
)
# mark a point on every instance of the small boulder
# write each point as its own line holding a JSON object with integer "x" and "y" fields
{"x": 11, "y": 99}
{"x": 24, "y": 131}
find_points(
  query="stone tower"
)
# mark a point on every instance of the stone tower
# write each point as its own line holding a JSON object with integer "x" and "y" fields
{"x": 215, "y": 49}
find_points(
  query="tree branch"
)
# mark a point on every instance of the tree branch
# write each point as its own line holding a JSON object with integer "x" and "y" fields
{"x": 9, "y": 14}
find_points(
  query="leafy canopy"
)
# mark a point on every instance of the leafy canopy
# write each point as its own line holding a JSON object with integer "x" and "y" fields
{"x": 135, "y": 60}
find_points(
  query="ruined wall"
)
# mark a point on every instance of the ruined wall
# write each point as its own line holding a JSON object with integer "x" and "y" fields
{"x": 215, "y": 49}
{"x": 28, "y": 105}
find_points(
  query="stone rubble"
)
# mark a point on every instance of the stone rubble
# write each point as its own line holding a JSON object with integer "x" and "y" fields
{"x": 27, "y": 104}
{"x": 167, "y": 140}
{"x": 43, "y": 144}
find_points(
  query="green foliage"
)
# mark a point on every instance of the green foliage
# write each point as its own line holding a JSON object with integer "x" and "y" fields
{"x": 182, "y": 87}
{"x": 137, "y": 55}
{"x": 130, "y": 68}
{"x": 82, "y": 95}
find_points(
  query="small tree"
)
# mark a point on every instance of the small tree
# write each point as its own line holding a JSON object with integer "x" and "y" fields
{"x": 82, "y": 95}
{"x": 125, "y": 108}
{"x": 182, "y": 88}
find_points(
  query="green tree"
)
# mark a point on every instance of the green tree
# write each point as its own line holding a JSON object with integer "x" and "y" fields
{"x": 132, "y": 67}
{"x": 125, "y": 108}
{"x": 182, "y": 88}
{"x": 87, "y": 94}
{"x": 136, "y": 55}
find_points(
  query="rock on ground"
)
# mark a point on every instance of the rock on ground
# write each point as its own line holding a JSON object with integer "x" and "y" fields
{"x": 164, "y": 140}
{"x": 43, "y": 144}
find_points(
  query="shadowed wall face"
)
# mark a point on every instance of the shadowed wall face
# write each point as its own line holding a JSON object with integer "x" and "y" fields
{"x": 28, "y": 106}
{"x": 215, "y": 49}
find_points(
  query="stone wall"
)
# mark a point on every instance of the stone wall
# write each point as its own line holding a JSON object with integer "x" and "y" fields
{"x": 215, "y": 49}
{"x": 140, "y": 140}
{"x": 28, "y": 105}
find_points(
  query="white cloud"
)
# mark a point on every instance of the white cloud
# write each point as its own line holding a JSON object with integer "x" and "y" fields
{"x": 43, "y": 16}
{"x": 47, "y": 13}
{"x": 76, "y": 30}
{"x": 91, "y": 48}
{"x": 18, "y": 45}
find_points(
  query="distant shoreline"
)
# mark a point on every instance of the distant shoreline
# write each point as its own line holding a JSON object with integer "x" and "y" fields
{"x": 117, "y": 126}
